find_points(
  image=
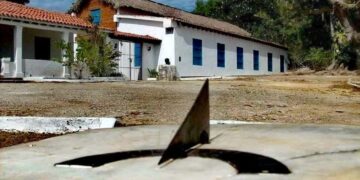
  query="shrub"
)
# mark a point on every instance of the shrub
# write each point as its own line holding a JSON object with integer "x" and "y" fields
{"x": 93, "y": 53}
{"x": 318, "y": 59}
{"x": 346, "y": 55}
{"x": 99, "y": 54}
{"x": 153, "y": 73}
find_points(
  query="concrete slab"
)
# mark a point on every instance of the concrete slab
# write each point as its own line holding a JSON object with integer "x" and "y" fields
{"x": 54, "y": 125}
{"x": 309, "y": 151}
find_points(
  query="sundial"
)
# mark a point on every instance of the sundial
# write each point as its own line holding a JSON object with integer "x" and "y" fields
{"x": 195, "y": 150}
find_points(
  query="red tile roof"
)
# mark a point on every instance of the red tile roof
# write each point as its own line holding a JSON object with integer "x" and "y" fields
{"x": 124, "y": 35}
{"x": 18, "y": 11}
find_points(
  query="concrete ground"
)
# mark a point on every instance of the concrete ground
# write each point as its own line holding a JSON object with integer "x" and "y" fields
{"x": 309, "y": 151}
{"x": 285, "y": 99}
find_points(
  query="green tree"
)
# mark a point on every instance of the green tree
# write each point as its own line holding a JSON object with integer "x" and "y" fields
{"x": 249, "y": 14}
{"x": 93, "y": 53}
{"x": 99, "y": 54}
{"x": 348, "y": 16}
{"x": 308, "y": 27}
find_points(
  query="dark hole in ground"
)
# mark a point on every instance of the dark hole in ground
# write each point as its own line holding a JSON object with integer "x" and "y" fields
{"x": 243, "y": 162}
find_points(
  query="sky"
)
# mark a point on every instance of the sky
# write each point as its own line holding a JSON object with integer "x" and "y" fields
{"x": 64, "y": 5}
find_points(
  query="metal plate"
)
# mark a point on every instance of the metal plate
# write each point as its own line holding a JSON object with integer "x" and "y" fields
{"x": 194, "y": 130}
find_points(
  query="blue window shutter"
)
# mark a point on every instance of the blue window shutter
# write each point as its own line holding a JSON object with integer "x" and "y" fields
{"x": 240, "y": 58}
{"x": 197, "y": 52}
{"x": 138, "y": 54}
{"x": 96, "y": 16}
{"x": 282, "y": 63}
{"x": 221, "y": 55}
{"x": 256, "y": 60}
{"x": 270, "y": 62}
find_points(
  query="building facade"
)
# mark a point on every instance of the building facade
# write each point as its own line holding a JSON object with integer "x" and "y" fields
{"x": 29, "y": 40}
{"x": 198, "y": 53}
{"x": 149, "y": 35}
{"x": 197, "y": 46}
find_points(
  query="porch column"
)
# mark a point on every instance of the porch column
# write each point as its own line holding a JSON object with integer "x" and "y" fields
{"x": 74, "y": 40}
{"x": 65, "y": 38}
{"x": 18, "y": 57}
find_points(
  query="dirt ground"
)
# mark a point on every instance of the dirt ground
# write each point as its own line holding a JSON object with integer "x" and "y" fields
{"x": 285, "y": 99}
{"x": 288, "y": 99}
{"x": 9, "y": 138}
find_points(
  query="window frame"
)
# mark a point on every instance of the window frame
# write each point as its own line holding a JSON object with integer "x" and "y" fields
{"x": 221, "y": 49}
{"x": 282, "y": 63}
{"x": 197, "y": 52}
{"x": 138, "y": 54}
{"x": 256, "y": 60}
{"x": 240, "y": 58}
{"x": 42, "y": 51}
{"x": 169, "y": 30}
{"x": 92, "y": 12}
{"x": 270, "y": 62}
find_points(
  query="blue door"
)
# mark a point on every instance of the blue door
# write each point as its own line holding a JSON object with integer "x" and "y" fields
{"x": 282, "y": 63}
{"x": 256, "y": 60}
{"x": 270, "y": 62}
{"x": 138, "y": 55}
{"x": 221, "y": 55}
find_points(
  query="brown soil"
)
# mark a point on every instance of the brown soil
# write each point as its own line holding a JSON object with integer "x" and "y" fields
{"x": 285, "y": 99}
{"x": 288, "y": 98}
{"x": 9, "y": 139}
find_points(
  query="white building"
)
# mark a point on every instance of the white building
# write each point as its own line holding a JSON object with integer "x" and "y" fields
{"x": 148, "y": 35}
{"x": 199, "y": 52}
{"x": 29, "y": 37}
{"x": 197, "y": 46}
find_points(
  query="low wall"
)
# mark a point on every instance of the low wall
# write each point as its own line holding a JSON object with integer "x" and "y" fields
{"x": 7, "y": 67}
{"x": 43, "y": 68}
{"x": 54, "y": 125}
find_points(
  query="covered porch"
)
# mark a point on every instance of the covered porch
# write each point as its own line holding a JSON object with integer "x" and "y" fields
{"x": 29, "y": 38}
{"x": 32, "y": 50}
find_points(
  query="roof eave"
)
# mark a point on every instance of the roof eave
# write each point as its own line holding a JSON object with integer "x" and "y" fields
{"x": 43, "y": 23}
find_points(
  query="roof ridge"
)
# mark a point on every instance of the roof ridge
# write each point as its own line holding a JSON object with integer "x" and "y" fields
{"x": 179, "y": 14}
{"x": 167, "y": 6}
{"x": 190, "y": 12}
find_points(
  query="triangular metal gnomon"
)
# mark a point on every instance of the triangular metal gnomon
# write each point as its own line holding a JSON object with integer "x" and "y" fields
{"x": 194, "y": 130}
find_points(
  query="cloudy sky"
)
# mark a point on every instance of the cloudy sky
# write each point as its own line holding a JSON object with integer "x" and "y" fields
{"x": 63, "y": 5}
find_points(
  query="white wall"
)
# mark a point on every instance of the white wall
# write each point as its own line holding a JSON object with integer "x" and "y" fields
{"x": 150, "y": 55}
{"x": 149, "y": 60}
{"x": 179, "y": 44}
{"x": 43, "y": 68}
{"x": 155, "y": 29}
{"x": 184, "y": 39}
{"x": 142, "y": 27}
{"x": 125, "y": 65}
{"x": 29, "y": 42}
